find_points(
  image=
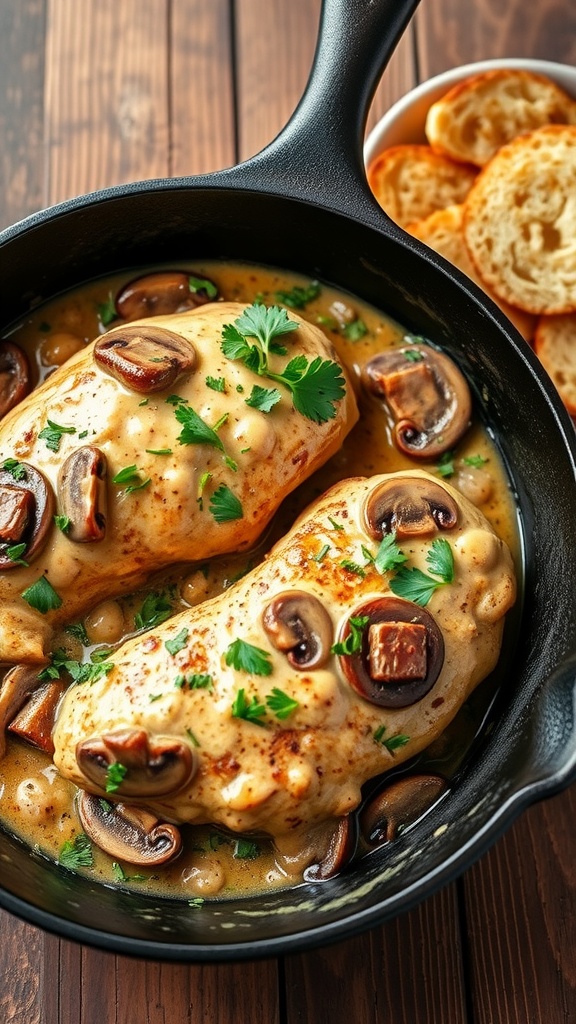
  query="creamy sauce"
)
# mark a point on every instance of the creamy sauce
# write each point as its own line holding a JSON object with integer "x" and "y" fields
{"x": 35, "y": 802}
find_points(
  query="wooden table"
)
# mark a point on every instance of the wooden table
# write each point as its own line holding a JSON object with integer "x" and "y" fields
{"x": 95, "y": 92}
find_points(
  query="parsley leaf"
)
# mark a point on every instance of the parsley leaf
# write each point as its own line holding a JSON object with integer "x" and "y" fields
{"x": 107, "y": 311}
{"x": 131, "y": 476}
{"x": 414, "y": 585}
{"x": 280, "y": 703}
{"x": 76, "y": 853}
{"x": 474, "y": 460}
{"x": 353, "y": 642}
{"x": 156, "y": 608}
{"x": 53, "y": 433}
{"x": 441, "y": 560}
{"x": 115, "y": 774}
{"x": 178, "y": 642}
{"x": 355, "y": 331}
{"x": 412, "y": 355}
{"x": 245, "y": 849}
{"x": 315, "y": 386}
{"x": 194, "y": 429}
{"x": 78, "y": 631}
{"x": 299, "y": 297}
{"x": 216, "y": 383}
{"x": 195, "y": 681}
{"x": 200, "y": 284}
{"x": 353, "y": 567}
{"x": 389, "y": 556}
{"x": 445, "y": 467}
{"x": 15, "y": 468}
{"x": 250, "y": 711}
{"x": 42, "y": 596}
{"x": 263, "y": 399}
{"x": 14, "y": 551}
{"x": 62, "y": 522}
{"x": 225, "y": 506}
{"x": 392, "y": 743}
{"x": 244, "y": 657}
{"x": 264, "y": 323}
{"x": 121, "y": 876}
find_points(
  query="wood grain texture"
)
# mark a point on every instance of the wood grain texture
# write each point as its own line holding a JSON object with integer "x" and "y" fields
{"x": 410, "y": 971}
{"x": 22, "y": 28}
{"x": 21, "y": 950}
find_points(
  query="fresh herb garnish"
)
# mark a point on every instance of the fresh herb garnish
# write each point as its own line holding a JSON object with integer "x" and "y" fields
{"x": 322, "y": 553}
{"x": 204, "y": 479}
{"x": 194, "y": 681}
{"x": 245, "y": 849}
{"x": 353, "y": 567}
{"x": 176, "y": 400}
{"x": 199, "y": 284}
{"x": 474, "y": 460}
{"x": 315, "y": 386}
{"x": 196, "y": 902}
{"x": 15, "y": 468}
{"x": 115, "y": 774}
{"x": 299, "y": 297}
{"x": 414, "y": 585}
{"x": 178, "y": 643}
{"x": 245, "y": 657}
{"x": 389, "y": 556}
{"x": 14, "y": 552}
{"x": 81, "y": 672}
{"x": 353, "y": 642}
{"x": 53, "y": 433}
{"x": 76, "y": 853}
{"x": 121, "y": 876}
{"x": 42, "y": 596}
{"x": 413, "y": 355}
{"x": 280, "y": 703}
{"x": 392, "y": 743}
{"x": 132, "y": 476}
{"x": 107, "y": 311}
{"x": 225, "y": 506}
{"x": 194, "y": 429}
{"x": 334, "y": 524}
{"x": 445, "y": 466}
{"x": 263, "y": 399}
{"x": 355, "y": 331}
{"x": 216, "y": 383}
{"x": 250, "y": 711}
{"x": 78, "y": 631}
{"x": 159, "y": 451}
{"x": 192, "y": 738}
{"x": 62, "y": 522}
{"x": 155, "y": 609}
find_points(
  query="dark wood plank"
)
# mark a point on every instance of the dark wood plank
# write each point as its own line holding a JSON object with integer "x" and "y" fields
{"x": 106, "y": 94}
{"x": 201, "y": 87}
{"x": 22, "y": 28}
{"x": 408, "y": 971}
{"x": 20, "y": 956}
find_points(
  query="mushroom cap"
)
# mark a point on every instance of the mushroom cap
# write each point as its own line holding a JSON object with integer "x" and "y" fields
{"x": 38, "y": 522}
{"x": 82, "y": 493}
{"x": 409, "y": 507}
{"x": 154, "y": 767}
{"x": 126, "y": 833}
{"x": 427, "y": 395}
{"x": 336, "y": 844}
{"x": 146, "y": 358}
{"x": 158, "y": 294}
{"x": 14, "y": 376}
{"x": 297, "y": 623}
{"x": 400, "y": 803}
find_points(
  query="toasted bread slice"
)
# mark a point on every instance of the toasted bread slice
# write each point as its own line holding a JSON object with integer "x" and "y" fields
{"x": 520, "y": 221}
{"x": 411, "y": 182}
{"x": 442, "y": 231}
{"x": 555, "y": 344}
{"x": 484, "y": 112}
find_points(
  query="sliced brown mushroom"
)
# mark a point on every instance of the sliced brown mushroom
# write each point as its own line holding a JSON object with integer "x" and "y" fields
{"x": 169, "y": 291}
{"x": 399, "y": 804}
{"x": 427, "y": 395}
{"x": 152, "y": 767}
{"x": 35, "y": 720}
{"x": 18, "y": 684}
{"x": 82, "y": 494}
{"x": 26, "y": 513}
{"x": 298, "y": 624}
{"x": 14, "y": 376}
{"x": 145, "y": 358}
{"x": 409, "y": 507}
{"x": 335, "y": 845}
{"x": 128, "y": 833}
{"x": 395, "y": 666}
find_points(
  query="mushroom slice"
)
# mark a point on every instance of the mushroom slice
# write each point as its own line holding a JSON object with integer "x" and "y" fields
{"x": 14, "y": 376}
{"x": 399, "y": 804}
{"x": 409, "y": 507}
{"x": 168, "y": 291}
{"x": 396, "y": 664}
{"x": 82, "y": 494}
{"x": 152, "y": 767}
{"x": 145, "y": 358}
{"x": 298, "y": 624}
{"x": 427, "y": 395}
{"x": 128, "y": 833}
{"x": 335, "y": 845}
{"x": 17, "y": 686}
{"x": 35, "y": 720}
{"x": 27, "y": 506}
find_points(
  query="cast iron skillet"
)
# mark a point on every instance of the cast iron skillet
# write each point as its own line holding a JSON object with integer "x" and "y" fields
{"x": 303, "y": 204}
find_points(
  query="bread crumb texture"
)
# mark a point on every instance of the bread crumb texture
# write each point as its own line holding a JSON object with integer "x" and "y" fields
{"x": 555, "y": 344}
{"x": 410, "y": 182}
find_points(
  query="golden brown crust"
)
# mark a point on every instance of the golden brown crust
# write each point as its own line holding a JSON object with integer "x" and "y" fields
{"x": 411, "y": 182}
{"x": 555, "y": 345}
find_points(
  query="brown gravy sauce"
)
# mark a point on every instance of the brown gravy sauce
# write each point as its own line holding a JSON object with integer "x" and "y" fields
{"x": 35, "y": 802}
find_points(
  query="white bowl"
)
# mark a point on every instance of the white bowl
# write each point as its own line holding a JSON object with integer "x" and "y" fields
{"x": 405, "y": 120}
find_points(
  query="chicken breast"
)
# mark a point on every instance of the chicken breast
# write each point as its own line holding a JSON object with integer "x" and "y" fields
{"x": 346, "y": 652}
{"x": 152, "y": 447}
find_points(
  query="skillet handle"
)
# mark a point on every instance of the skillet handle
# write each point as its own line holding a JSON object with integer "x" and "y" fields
{"x": 318, "y": 155}
{"x": 549, "y": 743}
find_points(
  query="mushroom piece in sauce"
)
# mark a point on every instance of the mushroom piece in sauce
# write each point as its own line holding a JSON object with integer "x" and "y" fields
{"x": 335, "y": 844}
{"x": 427, "y": 395}
{"x": 409, "y": 507}
{"x": 35, "y": 720}
{"x": 27, "y": 506}
{"x": 160, "y": 293}
{"x": 400, "y": 656}
{"x": 149, "y": 768}
{"x": 145, "y": 358}
{"x": 82, "y": 494}
{"x": 400, "y": 803}
{"x": 14, "y": 376}
{"x": 131, "y": 834}
{"x": 17, "y": 686}
{"x": 298, "y": 624}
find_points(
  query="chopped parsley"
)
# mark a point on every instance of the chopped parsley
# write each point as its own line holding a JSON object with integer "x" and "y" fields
{"x": 225, "y": 506}
{"x": 355, "y": 331}
{"x": 389, "y": 556}
{"x": 322, "y": 553}
{"x": 280, "y": 703}
{"x": 353, "y": 642}
{"x": 216, "y": 383}
{"x": 200, "y": 284}
{"x": 115, "y": 774}
{"x": 334, "y": 524}
{"x": 156, "y": 608}
{"x": 245, "y": 849}
{"x": 42, "y": 596}
{"x": 62, "y": 522}
{"x": 315, "y": 386}
{"x": 192, "y": 738}
{"x": 132, "y": 476}
{"x": 474, "y": 460}
{"x": 299, "y": 297}
{"x": 412, "y": 355}
{"x": 250, "y": 711}
{"x": 445, "y": 467}
{"x": 391, "y": 743}
{"x": 244, "y": 657}
{"x": 194, "y": 681}
{"x": 78, "y": 631}
{"x": 177, "y": 643}
{"x": 194, "y": 429}
{"x": 414, "y": 585}
{"x": 159, "y": 451}
{"x": 53, "y": 434}
{"x": 15, "y": 468}
{"x": 76, "y": 853}
{"x": 353, "y": 567}
{"x": 81, "y": 672}
{"x": 14, "y": 553}
{"x": 107, "y": 311}
{"x": 121, "y": 876}
{"x": 263, "y": 399}
{"x": 197, "y": 902}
